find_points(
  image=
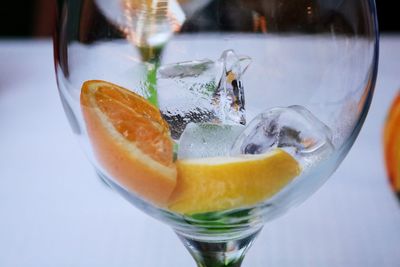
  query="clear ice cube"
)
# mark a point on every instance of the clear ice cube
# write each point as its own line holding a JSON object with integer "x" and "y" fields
{"x": 294, "y": 129}
{"x": 208, "y": 140}
{"x": 203, "y": 91}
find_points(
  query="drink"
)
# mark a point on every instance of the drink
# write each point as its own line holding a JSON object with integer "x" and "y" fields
{"x": 213, "y": 165}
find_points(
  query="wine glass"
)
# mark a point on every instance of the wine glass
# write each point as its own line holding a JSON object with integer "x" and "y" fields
{"x": 216, "y": 116}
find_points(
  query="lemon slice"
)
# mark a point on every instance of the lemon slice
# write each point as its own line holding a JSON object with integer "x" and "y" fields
{"x": 221, "y": 183}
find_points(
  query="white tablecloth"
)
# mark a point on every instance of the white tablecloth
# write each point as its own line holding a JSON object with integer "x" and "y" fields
{"x": 54, "y": 211}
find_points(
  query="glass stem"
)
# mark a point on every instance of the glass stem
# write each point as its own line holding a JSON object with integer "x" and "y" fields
{"x": 218, "y": 254}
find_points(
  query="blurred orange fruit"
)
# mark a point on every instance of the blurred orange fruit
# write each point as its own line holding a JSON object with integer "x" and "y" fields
{"x": 130, "y": 140}
{"x": 392, "y": 144}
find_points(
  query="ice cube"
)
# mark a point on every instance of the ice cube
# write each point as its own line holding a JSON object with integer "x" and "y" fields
{"x": 229, "y": 96}
{"x": 294, "y": 128}
{"x": 202, "y": 91}
{"x": 189, "y": 69}
{"x": 208, "y": 140}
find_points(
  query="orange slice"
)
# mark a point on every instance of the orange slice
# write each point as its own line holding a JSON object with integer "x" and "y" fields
{"x": 130, "y": 140}
{"x": 392, "y": 144}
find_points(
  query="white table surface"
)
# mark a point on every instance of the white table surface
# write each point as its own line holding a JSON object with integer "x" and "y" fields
{"x": 54, "y": 211}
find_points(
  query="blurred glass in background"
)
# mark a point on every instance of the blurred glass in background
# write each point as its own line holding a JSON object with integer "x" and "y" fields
{"x": 35, "y": 18}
